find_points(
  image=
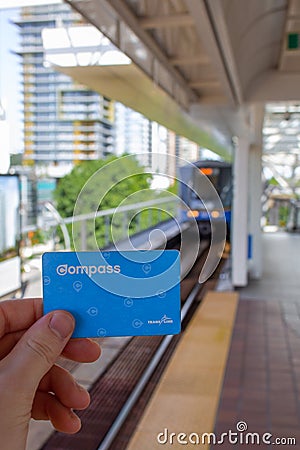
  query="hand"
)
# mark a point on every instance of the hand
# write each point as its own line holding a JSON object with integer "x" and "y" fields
{"x": 31, "y": 385}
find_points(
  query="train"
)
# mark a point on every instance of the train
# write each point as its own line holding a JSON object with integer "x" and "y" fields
{"x": 200, "y": 201}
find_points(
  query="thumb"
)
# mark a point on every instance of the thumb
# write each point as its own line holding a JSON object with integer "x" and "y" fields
{"x": 39, "y": 348}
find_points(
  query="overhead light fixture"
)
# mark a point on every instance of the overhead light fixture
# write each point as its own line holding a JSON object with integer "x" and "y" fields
{"x": 274, "y": 138}
{"x": 291, "y": 131}
{"x": 270, "y": 130}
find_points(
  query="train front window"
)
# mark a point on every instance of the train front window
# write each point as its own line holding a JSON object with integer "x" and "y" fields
{"x": 220, "y": 178}
{"x": 213, "y": 174}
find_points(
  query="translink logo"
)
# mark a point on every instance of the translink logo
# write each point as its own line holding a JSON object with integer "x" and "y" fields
{"x": 64, "y": 269}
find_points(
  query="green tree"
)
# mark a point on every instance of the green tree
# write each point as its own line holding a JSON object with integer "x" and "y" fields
{"x": 173, "y": 188}
{"x": 98, "y": 185}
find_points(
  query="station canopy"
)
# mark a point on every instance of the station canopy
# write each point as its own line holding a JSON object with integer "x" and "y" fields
{"x": 281, "y": 145}
{"x": 202, "y": 68}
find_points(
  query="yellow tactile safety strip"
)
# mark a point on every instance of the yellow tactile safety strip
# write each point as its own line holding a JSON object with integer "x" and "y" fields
{"x": 187, "y": 397}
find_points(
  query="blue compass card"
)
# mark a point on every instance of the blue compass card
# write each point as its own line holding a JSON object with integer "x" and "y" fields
{"x": 116, "y": 293}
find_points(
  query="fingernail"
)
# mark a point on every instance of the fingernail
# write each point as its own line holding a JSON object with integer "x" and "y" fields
{"x": 62, "y": 324}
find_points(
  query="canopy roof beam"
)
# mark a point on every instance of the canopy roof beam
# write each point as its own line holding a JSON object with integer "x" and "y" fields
{"x": 210, "y": 35}
{"x": 172, "y": 20}
{"x": 125, "y": 13}
{"x": 189, "y": 60}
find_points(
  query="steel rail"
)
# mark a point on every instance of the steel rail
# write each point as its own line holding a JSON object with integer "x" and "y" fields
{"x": 133, "y": 397}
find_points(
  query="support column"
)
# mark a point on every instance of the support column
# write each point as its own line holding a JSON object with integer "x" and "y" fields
{"x": 255, "y": 193}
{"x": 239, "y": 231}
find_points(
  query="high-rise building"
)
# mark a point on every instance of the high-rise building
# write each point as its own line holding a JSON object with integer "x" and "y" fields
{"x": 64, "y": 122}
{"x": 132, "y": 133}
{"x": 153, "y": 144}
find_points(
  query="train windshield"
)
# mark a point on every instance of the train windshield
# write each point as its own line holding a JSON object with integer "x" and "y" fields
{"x": 221, "y": 180}
{"x": 213, "y": 174}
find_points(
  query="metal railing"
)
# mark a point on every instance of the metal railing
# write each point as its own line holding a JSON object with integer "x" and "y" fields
{"x": 149, "y": 213}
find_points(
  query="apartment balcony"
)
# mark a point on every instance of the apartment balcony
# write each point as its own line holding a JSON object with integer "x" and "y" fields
{"x": 55, "y": 156}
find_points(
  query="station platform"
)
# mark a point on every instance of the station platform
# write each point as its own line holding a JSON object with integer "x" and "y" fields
{"x": 237, "y": 368}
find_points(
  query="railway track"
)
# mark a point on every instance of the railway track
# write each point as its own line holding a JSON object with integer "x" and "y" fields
{"x": 129, "y": 379}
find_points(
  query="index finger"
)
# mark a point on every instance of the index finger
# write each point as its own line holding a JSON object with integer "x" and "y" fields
{"x": 16, "y": 315}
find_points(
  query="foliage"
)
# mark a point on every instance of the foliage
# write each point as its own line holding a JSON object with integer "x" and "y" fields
{"x": 69, "y": 187}
{"x": 37, "y": 237}
{"x": 273, "y": 182}
{"x": 173, "y": 188}
{"x": 112, "y": 182}
{"x": 283, "y": 215}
